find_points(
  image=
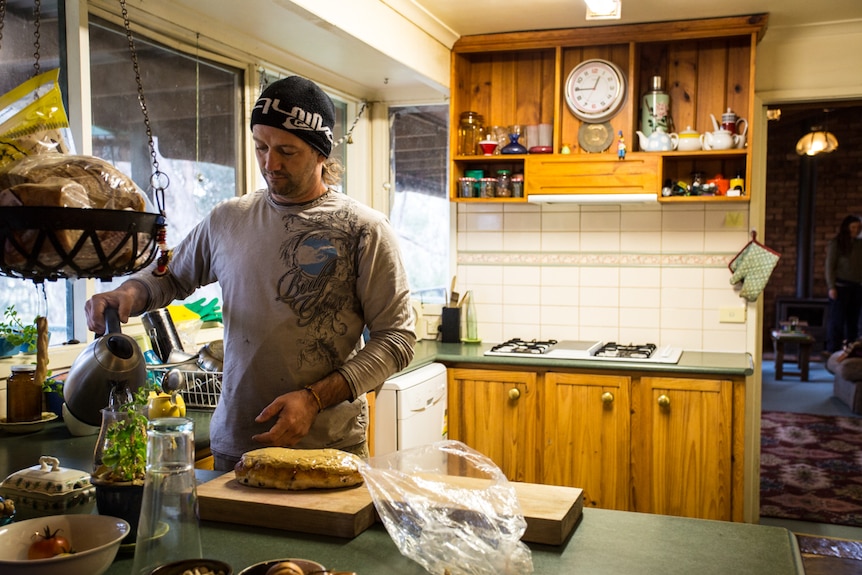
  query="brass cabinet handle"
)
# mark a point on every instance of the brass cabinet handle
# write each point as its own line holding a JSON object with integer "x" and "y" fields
{"x": 514, "y": 393}
{"x": 607, "y": 397}
{"x": 663, "y": 400}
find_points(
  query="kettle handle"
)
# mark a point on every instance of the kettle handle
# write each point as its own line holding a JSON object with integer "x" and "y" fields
{"x": 112, "y": 320}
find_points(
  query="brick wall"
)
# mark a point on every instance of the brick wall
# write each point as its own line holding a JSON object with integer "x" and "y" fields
{"x": 837, "y": 192}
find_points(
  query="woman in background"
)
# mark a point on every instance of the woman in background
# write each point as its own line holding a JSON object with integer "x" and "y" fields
{"x": 844, "y": 282}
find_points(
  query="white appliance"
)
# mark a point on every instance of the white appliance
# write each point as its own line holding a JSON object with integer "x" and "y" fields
{"x": 410, "y": 410}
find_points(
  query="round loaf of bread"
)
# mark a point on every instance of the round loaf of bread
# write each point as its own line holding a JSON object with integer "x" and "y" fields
{"x": 297, "y": 469}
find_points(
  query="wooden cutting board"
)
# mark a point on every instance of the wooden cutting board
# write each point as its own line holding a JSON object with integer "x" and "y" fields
{"x": 551, "y": 512}
{"x": 341, "y": 512}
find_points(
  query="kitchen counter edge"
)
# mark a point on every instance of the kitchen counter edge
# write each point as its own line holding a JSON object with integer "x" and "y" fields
{"x": 691, "y": 362}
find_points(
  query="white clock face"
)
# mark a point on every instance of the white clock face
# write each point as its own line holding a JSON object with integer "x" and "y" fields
{"x": 595, "y": 90}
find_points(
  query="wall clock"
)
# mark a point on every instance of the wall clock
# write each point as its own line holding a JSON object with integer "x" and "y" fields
{"x": 596, "y": 90}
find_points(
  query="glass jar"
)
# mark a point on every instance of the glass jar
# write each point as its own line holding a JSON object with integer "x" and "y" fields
{"x": 466, "y": 186}
{"x": 487, "y": 187}
{"x": 469, "y": 133}
{"x": 517, "y": 185}
{"x": 504, "y": 184}
{"x": 24, "y": 401}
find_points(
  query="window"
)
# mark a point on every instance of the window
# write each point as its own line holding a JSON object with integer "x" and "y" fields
{"x": 193, "y": 106}
{"x": 420, "y": 206}
{"x": 17, "y": 66}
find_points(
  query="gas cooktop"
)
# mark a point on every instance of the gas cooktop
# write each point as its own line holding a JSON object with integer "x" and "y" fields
{"x": 593, "y": 350}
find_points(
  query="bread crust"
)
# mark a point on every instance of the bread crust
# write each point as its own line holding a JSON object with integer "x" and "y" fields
{"x": 298, "y": 469}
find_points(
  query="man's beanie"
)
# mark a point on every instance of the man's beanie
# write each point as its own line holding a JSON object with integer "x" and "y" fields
{"x": 300, "y": 107}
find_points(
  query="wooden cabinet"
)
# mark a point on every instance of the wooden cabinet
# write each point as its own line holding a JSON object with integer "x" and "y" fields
{"x": 631, "y": 440}
{"x": 586, "y": 440}
{"x": 495, "y": 413}
{"x": 519, "y": 78}
{"x": 683, "y": 447}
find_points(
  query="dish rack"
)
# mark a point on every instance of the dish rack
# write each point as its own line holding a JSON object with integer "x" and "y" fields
{"x": 202, "y": 389}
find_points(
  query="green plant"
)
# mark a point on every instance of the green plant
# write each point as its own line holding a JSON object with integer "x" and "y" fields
{"x": 16, "y": 332}
{"x": 123, "y": 445}
{"x": 51, "y": 385}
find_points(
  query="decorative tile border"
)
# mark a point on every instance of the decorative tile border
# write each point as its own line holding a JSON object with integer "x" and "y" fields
{"x": 593, "y": 259}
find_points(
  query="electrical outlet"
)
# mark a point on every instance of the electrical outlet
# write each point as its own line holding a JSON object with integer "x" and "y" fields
{"x": 732, "y": 315}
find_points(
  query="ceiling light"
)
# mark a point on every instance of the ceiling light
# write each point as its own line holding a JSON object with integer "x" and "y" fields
{"x": 603, "y": 9}
{"x": 817, "y": 141}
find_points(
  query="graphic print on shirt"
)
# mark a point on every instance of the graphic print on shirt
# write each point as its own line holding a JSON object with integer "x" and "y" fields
{"x": 320, "y": 256}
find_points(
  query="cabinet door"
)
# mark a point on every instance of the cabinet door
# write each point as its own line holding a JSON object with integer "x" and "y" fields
{"x": 586, "y": 436}
{"x": 495, "y": 413}
{"x": 682, "y": 447}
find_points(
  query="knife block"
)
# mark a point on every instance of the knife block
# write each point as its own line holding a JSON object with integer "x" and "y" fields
{"x": 450, "y": 327}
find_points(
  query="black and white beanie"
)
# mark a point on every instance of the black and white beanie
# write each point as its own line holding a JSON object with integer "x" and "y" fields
{"x": 299, "y": 106}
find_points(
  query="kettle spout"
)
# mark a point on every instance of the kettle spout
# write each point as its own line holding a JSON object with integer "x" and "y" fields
{"x": 643, "y": 140}
{"x": 715, "y": 125}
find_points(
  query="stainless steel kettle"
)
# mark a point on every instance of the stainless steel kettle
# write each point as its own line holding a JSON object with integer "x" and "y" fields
{"x": 113, "y": 360}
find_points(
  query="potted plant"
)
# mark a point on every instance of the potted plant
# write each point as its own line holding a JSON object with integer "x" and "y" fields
{"x": 15, "y": 335}
{"x": 120, "y": 459}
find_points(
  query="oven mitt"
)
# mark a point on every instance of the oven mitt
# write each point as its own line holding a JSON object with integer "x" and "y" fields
{"x": 753, "y": 266}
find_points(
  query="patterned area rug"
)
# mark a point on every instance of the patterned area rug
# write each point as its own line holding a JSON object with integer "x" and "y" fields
{"x": 811, "y": 468}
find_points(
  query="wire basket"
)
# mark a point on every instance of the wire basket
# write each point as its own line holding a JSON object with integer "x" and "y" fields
{"x": 49, "y": 243}
{"x": 202, "y": 389}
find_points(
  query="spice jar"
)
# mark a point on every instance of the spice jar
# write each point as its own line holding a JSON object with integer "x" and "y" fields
{"x": 504, "y": 184}
{"x": 469, "y": 133}
{"x": 466, "y": 186}
{"x": 487, "y": 187}
{"x": 517, "y": 185}
{"x": 24, "y": 395}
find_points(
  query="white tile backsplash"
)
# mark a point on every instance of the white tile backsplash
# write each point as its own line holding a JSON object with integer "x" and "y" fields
{"x": 637, "y": 274}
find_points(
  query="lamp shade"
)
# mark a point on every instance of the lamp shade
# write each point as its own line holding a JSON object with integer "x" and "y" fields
{"x": 816, "y": 142}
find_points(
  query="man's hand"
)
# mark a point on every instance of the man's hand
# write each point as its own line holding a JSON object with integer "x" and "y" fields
{"x": 295, "y": 411}
{"x": 125, "y": 299}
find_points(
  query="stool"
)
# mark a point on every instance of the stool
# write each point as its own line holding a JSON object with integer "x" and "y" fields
{"x": 803, "y": 340}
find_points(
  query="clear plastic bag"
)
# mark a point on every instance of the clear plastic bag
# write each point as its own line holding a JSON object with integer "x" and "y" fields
{"x": 450, "y": 509}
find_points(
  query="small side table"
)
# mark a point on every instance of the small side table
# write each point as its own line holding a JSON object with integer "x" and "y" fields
{"x": 803, "y": 340}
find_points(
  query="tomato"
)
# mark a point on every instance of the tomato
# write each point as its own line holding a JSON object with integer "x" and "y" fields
{"x": 48, "y": 544}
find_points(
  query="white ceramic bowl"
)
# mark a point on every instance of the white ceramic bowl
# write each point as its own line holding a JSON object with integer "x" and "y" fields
{"x": 94, "y": 538}
{"x": 75, "y": 426}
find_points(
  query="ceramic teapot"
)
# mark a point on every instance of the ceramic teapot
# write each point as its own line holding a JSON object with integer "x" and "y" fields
{"x": 165, "y": 405}
{"x": 733, "y": 124}
{"x": 719, "y": 140}
{"x": 689, "y": 140}
{"x": 658, "y": 141}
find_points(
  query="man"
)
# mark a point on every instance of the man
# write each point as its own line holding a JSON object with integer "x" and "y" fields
{"x": 303, "y": 271}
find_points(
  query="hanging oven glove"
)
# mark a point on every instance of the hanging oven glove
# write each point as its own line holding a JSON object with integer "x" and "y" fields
{"x": 753, "y": 266}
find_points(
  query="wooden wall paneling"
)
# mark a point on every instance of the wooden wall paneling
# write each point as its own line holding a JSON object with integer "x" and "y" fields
{"x": 711, "y": 82}
{"x": 738, "y": 80}
{"x": 682, "y": 86}
{"x": 502, "y": 92}
{"x": 568, "y": 123}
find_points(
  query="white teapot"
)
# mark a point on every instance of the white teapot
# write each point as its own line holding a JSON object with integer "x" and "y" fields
{"x": 658, "y": 141}
{"x": 689, "y": 140}
{"x": 719, "y": 140}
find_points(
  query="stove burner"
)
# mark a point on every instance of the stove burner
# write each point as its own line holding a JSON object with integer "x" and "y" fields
{"x": 525, "y": 347}
{"x": 613, "y": 349}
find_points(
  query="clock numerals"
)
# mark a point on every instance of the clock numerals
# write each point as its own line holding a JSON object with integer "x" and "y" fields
{"x": 595, "y": 90}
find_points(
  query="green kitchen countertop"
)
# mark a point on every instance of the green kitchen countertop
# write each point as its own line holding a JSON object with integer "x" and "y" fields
{"x": 691, "y": 362}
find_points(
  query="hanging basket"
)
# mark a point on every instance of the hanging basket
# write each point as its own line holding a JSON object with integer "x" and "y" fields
{"x": 50, "y": 243}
